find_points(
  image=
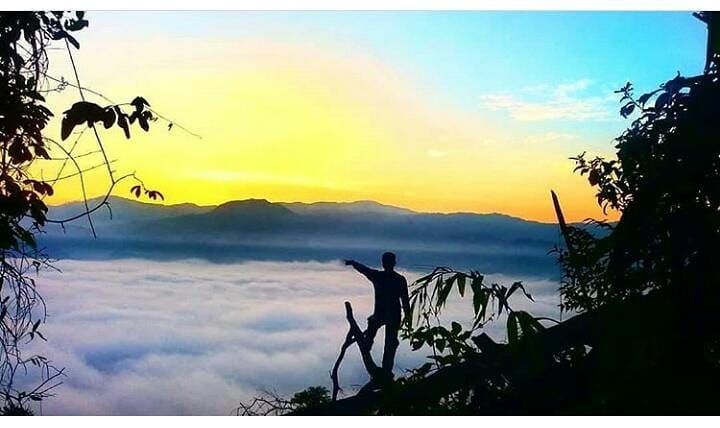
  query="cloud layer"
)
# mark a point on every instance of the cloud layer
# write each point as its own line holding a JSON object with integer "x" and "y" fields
{"x": 192, "y": 337}
{"x": 567, "y": 101}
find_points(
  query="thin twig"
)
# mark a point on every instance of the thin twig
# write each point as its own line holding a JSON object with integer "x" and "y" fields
{"x": 82, "y": 96}
{"x": 82, "y": 185}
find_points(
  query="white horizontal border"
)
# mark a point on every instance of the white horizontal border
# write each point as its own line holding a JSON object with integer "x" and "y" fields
{"x": 365, "y": 422}
{"x": 596, "y": 5}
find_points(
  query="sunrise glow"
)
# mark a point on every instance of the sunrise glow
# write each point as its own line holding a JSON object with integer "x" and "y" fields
{"x": 427, "y": 113}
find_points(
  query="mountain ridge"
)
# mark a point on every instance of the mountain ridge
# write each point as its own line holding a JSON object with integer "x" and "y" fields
{"x": 259, "y": 221}
{"x": 363, "y": 205}
{"x": 257, "y": 229}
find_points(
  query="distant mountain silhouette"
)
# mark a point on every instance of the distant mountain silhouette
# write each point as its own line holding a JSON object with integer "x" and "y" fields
{"x": 251, "y": 208}
{"x": 125, "y": 211}
{"x": 352, "y": 221}
{"x": 357, "y": 207}
{"x": 257, "y": 228}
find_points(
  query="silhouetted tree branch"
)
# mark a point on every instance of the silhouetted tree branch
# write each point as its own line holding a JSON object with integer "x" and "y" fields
{"x": 355, "y": 335}
{"x": 25, "y": 38}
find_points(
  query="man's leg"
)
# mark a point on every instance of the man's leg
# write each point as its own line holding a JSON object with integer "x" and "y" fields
{"x": 372, "y": 328}
{"x": 391, "y": 345}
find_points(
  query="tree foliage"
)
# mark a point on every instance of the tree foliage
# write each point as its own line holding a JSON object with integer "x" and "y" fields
{"x": 273, "y": 404}
{"x": 665, "y": 182}
{"x": 452, "y": 343}
{"x": 25, "y": 38}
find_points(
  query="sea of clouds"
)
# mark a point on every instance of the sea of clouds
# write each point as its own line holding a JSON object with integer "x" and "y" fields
{"x": 192, "y": 337}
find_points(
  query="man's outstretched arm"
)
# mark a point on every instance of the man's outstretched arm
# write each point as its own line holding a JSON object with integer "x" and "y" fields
{"x": 368, "y": 272}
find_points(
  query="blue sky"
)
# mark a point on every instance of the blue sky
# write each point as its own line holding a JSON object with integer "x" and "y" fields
{"x": 460, "y": 55}
{"x": 391, "y": 106}
{"x": 452, "y": 48}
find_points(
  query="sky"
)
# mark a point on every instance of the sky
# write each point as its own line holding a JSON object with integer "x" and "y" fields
{"x": 433, "y": 111}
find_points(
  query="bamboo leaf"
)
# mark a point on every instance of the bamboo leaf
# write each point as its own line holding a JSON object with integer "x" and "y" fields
{"x": 461, "y": 285}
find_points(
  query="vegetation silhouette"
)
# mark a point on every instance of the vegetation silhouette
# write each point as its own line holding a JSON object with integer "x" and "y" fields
{"x": 25, "y": 38}
{"x": 644, "y": 338}
{"x": 272, "y": 404}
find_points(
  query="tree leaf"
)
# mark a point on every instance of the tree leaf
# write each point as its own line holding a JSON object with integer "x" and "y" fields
{"x": 662, "y": 100}
{"x": 461, "y": 285}
{"x": 456, "y": 328}
{"x": 512, "y": 329}
{"x": 139, "y": 103}
{"x": 644, "y": 98}
{"x": 443, "y": 293}
{"x": 627, "y": 109}
{"x": 109, "y": 117}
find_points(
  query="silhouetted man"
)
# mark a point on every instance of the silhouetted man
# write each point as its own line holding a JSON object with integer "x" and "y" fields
{"x": 390, "y": 291}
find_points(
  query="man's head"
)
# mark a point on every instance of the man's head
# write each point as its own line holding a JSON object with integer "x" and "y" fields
{"x": 388, "y": 260}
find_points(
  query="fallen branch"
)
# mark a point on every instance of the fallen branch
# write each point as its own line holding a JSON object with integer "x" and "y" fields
{"x": 355, "y": 335}
{"x": 349, "y": 340}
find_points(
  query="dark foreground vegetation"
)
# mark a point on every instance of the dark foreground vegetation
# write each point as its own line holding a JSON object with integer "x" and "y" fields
{"x": 25, "y": 81}
{"x": 645, "y": 338}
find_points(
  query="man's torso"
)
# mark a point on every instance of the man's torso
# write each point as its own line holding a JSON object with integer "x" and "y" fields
{"x": 388, "y": 288}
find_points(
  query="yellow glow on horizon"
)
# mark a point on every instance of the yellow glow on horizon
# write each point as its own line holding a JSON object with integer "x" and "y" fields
{"x": 293, "y": 123}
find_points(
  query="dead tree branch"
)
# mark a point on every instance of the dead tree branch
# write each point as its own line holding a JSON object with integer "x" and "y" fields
{"x": 355, "y": 335}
